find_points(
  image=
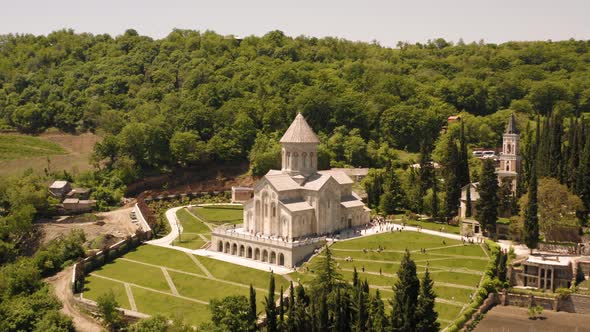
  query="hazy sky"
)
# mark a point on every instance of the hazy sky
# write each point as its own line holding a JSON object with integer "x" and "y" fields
{"x": 385, "y": 21}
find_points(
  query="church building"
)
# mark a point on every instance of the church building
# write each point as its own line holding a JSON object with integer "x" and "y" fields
{"x": 294, "y": 208}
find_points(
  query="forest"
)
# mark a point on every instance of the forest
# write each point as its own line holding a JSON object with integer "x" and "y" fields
{"x": 197, "y": 97}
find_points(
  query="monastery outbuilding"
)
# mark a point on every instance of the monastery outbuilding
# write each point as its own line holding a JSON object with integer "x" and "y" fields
{"x": 294, "y": 208}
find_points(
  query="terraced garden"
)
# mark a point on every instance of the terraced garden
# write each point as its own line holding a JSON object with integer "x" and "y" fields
{"x": 153, "y": 279}
{"x": 455, "y": 268}
{"x": 197, "y": 223}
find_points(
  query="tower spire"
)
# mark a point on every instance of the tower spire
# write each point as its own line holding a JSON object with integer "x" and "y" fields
{"x": 511, "y": 127}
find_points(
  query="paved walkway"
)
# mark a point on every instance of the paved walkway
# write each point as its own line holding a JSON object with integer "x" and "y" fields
{"x": 168, "y": 239}
{"x": 130, "y": 296}
{"x": 169, "y": 281}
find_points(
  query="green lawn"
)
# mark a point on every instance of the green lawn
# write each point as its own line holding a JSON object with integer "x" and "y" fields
{"x": 240, "y": 274}
{"x": 156, "y": 303}
{"x": 95, "y": 287}
{"x": 434, "y": 226}
{"x": 190, "y": 224}
{"x": 169, "y": 258}
{"x": 192, "y": 229}
{"x": 22, "y": 146}
{"x": 187, "y": 277}
{"x": 456, "y": 268}
{"x": 220, "y": 214}
{"x": 135, "y": 273}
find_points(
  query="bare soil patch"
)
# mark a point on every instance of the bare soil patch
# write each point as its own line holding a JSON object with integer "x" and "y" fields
{"x": 115, "y": 223}
{"x": 514, "y": 319}
{"x": 78, "y": 148}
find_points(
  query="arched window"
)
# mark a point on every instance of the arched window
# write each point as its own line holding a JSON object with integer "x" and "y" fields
{"x": 274, "y": 210}
{"x": 507, "y": 166}
{"x": 311, "y": 159}
{"x": 509, "y": 148}
{"x": 304, "y": 159}
{"x": 288, "y": 159}
{"x": 295, "y": 156}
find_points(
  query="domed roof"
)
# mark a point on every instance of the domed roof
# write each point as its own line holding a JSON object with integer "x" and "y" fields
{"x": 299, "y": 132}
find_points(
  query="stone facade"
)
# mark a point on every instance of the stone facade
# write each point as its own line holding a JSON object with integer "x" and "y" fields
{"x": 294, "y": 208}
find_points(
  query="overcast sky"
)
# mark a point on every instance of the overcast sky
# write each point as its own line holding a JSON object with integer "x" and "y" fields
{"x": 384, "y": 21}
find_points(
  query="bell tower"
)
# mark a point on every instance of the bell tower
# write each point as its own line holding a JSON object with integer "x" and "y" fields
{"x": 510, "y": 158}
{"x": 299, "y": 149}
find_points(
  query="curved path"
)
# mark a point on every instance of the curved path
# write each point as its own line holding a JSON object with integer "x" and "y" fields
{"x": 61, "y": 283}
{"x": 174, "y": 228}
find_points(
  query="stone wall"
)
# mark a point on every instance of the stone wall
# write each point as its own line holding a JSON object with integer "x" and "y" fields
{"x": 574, "y": 303}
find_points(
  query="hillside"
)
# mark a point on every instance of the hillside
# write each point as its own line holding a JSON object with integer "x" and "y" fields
{"x": 196, "y": 96}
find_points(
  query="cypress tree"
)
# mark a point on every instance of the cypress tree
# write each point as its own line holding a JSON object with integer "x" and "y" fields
{"x": 425, "y": 313}
{"x": 452, "y": 180}
{"x": 464, "y": 177}
{"x": 291, "y": 319}
{"x": 339, "y": 320}
{"x": 361, "y": 310}
{"x": 583, "y": 179}
{"x": 302, "y": 302}
{"x": 271, "y": 306}
{"x": 355, "y": 277}
{"x": 487, "y": 208}
{"x": 425, "y": 174}
{"x": 377, "y": 314}
{"x": 323, "y": 319}
{"x": 252, "y": 313}
{"x": 281, "y": 325}
{"x": 406, "y": 288}
{"x": 503, "y": 258}
{"x": 531, "y": 219}
{"x": 555, "y": 158}
{"x": 435, "y": 212}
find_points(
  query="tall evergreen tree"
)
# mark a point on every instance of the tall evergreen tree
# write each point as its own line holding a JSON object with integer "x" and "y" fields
{"x": 406, "y": 289}
{"x": 435, "y": 210}
{"x": 327, "y": 278}
{"x": 291, "y": 319}
{"x": 271, "y": 306}
{"x": 531, "y": 218}
{"x": 452, "y": 171}
{"x": 301, "y": 303}
{"x": 361, "y": 309}
{"x": 463, "y": 173}
{"x": 323, "y": 317}
{"x": 281, "y": 325}
{"x": 555, "y": 158}
{"x": 425, "y": 314}
{"x": 377, "y": 314}
{"x": 583, "y": 178}
{"x": 252, "y": 313}
{"x": 426, "y": 173}
{"x": 487, "y": 208}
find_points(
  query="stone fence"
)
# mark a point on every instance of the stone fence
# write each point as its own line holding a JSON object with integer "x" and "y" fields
{"x": 107, "y": 254}
{"x": 229, "y": 231}
{"x": 573, "y": 303}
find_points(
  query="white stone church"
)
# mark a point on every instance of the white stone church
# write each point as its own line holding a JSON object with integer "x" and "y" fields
{"x": 294, "y": 208}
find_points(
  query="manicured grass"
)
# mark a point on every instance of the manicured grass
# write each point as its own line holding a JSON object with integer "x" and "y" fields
{"x": 220, "y": 213}
{"x": 396, "y": 241}
{"x": 453, "y": 265}
{"x": 204, "y": 289}
{"x": 190, "y": 224}
{"x": 156, "y": 303}
{"x": 434, "y": 226}
{"x": 22, "y": 146}
{"x": 190, "y": 241}
{"x": 169, "y": 258}
{"x": 447, "y": 312}
{"x": 136, "y": 273}
{"x": 95, "y": 287}
{"x": 241, "y": 274}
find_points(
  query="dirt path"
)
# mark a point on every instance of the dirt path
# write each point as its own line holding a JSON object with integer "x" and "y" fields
{"x": 61, "y": 285}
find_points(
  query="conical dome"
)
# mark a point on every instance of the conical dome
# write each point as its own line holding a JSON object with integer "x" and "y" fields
{"x": 511, "y": 127}
{"x": 299, "y": 132}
